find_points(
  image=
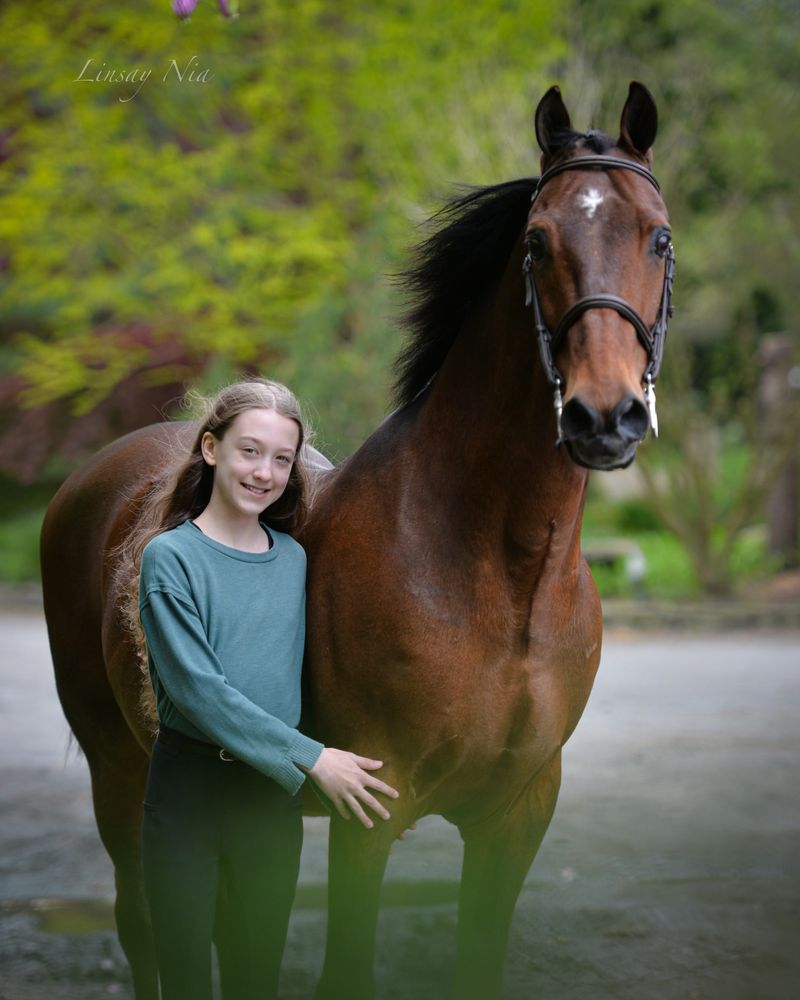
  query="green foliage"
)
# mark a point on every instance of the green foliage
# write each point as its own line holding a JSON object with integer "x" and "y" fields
{"x": 19, "y": 543}
{"x": 634, "y": 516}
{"x": 671, "y": 572}
{"x": 227, "y": 217}
{"x": 713, "y": 467}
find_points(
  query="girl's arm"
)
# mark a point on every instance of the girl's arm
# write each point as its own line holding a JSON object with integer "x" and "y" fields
{"x": 195, "y": 681}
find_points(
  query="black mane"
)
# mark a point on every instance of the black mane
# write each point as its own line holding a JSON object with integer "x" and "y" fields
{"x": 452, "y": 270}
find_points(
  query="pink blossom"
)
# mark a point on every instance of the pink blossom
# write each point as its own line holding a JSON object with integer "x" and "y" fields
{"x": 183, "y": 8}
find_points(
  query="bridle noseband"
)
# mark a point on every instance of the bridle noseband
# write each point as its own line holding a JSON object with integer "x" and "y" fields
{"x": 651, "y": 338}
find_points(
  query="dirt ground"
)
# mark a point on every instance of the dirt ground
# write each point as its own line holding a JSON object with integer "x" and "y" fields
{"x": 670, "y": 872}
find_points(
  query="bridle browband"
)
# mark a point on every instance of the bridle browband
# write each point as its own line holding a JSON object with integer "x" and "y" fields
{"x": 651, "y": 338}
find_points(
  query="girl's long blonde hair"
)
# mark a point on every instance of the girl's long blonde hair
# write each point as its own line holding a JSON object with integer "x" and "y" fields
{"x": 184, "y": 490}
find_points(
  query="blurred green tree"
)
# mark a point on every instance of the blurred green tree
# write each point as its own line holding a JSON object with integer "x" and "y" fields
{"x": 237, "y": 207}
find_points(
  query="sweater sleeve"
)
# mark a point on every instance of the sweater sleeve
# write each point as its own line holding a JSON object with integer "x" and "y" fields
{"x": 195, "y": 681}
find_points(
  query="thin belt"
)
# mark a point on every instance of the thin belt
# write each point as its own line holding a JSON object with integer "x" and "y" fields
{"x": 195, "y": 746}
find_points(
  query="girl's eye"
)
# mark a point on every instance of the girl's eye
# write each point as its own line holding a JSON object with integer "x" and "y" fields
{"x": 249, "y": 451}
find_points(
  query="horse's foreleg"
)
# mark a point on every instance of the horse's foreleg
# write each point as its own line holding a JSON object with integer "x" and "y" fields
{"x": 357, "y": 861}
{"x": 496, "y": 861}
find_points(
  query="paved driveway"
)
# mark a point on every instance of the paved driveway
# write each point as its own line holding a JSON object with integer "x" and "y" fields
{"x": 671, "y": 869}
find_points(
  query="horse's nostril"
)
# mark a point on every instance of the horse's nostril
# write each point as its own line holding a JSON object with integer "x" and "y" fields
{"x": 629, "y": 418}
{"x": 579, "y": 419}
{"x": 628, "y": 421}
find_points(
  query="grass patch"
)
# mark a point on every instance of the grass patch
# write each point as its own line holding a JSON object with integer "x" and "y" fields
{"x": 669, "y": 574}
{"x": 19, "y": 543}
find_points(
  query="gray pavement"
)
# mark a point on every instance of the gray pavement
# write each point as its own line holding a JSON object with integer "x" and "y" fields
{"x": 671, "y": 869}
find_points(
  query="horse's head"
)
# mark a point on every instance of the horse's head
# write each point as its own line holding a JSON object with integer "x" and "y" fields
{"x": 599, "y": 276}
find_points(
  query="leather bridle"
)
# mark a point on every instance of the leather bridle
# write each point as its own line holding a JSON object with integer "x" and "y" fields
{"x": 652, "y": 338}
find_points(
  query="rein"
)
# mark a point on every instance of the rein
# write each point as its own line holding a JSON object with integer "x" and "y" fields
{"x": 652, "y": 338}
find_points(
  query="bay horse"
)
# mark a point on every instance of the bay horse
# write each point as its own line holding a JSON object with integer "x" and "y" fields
{"x": 454, "y": 629}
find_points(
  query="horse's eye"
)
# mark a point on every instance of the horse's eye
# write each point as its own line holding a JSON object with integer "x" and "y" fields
{"x": 663, "y": 240}
{"x": 537, "y": 244}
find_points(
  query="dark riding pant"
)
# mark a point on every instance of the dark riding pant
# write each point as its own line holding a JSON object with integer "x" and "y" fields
{"x": 214, "y": 832}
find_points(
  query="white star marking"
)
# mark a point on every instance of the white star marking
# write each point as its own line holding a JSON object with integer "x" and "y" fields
{"x": 590, "y": 200}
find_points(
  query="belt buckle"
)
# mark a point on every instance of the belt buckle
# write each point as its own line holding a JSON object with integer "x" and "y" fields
{"x": 224, "y": 755}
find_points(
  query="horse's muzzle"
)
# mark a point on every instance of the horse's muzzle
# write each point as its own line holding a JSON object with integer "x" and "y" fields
{"x": 604, "y": 442}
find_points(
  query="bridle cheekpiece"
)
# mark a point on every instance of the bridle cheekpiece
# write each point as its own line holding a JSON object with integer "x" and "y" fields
{"x": 652, "y": 338}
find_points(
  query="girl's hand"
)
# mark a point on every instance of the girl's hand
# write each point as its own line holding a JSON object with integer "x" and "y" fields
{"x": 344, "y": 777}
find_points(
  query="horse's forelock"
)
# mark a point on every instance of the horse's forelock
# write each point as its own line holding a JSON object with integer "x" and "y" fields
{"x": 568, "y": 141}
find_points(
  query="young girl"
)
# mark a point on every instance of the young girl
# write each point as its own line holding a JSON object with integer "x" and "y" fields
{"x": 222, "y": 603}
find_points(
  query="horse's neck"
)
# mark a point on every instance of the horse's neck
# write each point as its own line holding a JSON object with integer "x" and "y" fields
{"x": 487, "y": 436}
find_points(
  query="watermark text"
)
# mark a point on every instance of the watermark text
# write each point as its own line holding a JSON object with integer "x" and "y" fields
{"x": 134, "y": 78}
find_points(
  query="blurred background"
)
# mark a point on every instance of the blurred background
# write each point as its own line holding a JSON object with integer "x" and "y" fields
{"x": 245, "y": 205}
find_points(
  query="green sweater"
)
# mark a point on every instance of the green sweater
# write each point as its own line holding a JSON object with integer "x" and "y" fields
{"x": 225, "y": 631}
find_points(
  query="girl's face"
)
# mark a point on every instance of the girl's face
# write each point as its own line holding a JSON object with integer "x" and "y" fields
{"x": 253, "y": 461}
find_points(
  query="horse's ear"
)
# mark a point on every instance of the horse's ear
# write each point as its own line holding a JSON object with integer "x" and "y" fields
{"x": 639, "y": 123}
{"x": 552, "y": 121}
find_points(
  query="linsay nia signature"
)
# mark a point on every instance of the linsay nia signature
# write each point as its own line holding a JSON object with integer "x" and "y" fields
{"x": 189, "y": 72}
